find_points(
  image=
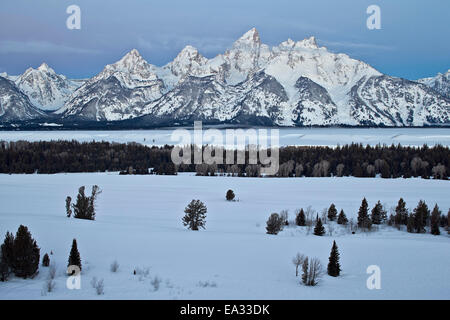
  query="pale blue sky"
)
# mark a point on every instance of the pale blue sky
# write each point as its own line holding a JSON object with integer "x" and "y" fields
{"x": 414, "y": 40}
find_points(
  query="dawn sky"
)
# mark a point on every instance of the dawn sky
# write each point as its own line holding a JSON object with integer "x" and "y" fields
{"x": 414, "y": 41}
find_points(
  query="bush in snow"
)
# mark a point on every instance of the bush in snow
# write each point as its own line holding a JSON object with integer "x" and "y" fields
{"x": 156, "y": 282}
{"x": 99, "y": 287}
{"x": 84, "y": 207}
{"x": 230, "y": 195}
{"x": 46, "y": 260}
{"x": 274, "y": 224}
{"x": 195, "y": 215}
{"x": 114, "y": 266}
{"x": 49, "y": 285}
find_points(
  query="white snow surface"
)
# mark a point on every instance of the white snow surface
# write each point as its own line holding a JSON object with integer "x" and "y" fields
{"x": 139, "y": 225}
{"x": 288, "y": 136}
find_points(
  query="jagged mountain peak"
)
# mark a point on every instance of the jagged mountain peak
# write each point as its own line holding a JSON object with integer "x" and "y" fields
{"x": 45, "y": 67}
{"x": 249, "y": 39}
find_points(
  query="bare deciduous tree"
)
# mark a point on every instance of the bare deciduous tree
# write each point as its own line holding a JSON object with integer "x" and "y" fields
{"x": 298, "y": 261}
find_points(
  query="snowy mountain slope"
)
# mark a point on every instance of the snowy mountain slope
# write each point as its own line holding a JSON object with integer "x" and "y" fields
{"x": 440, "y": 83}
{"x": 45, "y": 89}
{"x": 294, "y": 83}
{"x": 15, "y": 105}
{"x": 116, "y": 93}
{"x": 384, "y": 100}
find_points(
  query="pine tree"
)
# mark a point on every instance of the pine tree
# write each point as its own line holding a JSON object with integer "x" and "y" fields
{"x": 7, "y": 256}
{"x": 421, "y": 214}
{"x": 46, "y": 260}
{"x": 26, "y": 254}
{"x": 363, "y": 216}
{"x": 74, "y": 256}
{"x": 376, "y": 214}
{"x": 334, "y": 268}
{"x": 195, "y": 215}
{"x": 332, "y": 212}
{"x": 230, "y": 195}
{"x": 300, "y": 219}
{"x": 435, "y": 217}
{"x": 342, "y": 218}
{"x": 80, "y": 207}
{"x": 401, "y": 213}
{"x": 411, "y": 224}
{"x": 319, "y": 230}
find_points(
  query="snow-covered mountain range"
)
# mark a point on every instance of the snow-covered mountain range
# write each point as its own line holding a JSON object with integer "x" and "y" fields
{"x": 294, "y": 83}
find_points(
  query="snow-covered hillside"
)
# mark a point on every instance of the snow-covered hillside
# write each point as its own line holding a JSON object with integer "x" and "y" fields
{"x": 46, "y": 89}
{"x": 233, "y": 258}
{"x": 439, "y": 83}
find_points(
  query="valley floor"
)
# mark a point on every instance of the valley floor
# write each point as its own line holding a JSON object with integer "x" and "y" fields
{"x": 139, "y": 225}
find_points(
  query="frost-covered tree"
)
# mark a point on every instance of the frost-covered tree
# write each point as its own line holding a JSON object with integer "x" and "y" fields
{"x": 332, "y": 212}
{"x": 312, "y": 271}
{"x": 334, "y": 268}
{"x": 84, "y": 207}
{"x": 297, "y": 261}
{"x": 68, "y": 207}
{"x": 195, "y": 215}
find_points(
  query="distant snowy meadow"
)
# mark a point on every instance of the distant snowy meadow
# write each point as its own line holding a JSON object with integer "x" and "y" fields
{"x": 288, "y": 136}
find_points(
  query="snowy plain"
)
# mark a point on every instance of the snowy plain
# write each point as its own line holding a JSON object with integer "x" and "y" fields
{"x": 288, "y": 136}
{"x": 139, "y": 225}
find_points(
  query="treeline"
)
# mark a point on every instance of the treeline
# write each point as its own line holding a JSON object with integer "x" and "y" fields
{"x": 295, "y": 161}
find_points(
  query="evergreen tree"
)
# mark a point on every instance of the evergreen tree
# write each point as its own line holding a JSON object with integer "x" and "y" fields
{"x": 74, "y": 256}
{"x": 332, "y": 212}
{"x": 7, "y": 256}
{"x": 435, "y": 217}
{"x": 46, "y": 260}
{"x": 80, "y": 207}
{"x": 68, "y": 206}
{"x": 195, "y": 215}
{"x": 363, "y": 216}
{"x": 319, "y": 230}
{"x": 411, "y": 224}
{"x": 334, "y": 267}
{"x": 274, "y": 224}
{"x": 26, "y": 254}
{"x": 401, "y": 213}
{"x": 421, "y": 214}
{"x": 377, "y": 212}
{"x": 342, "y": 218}
{"x": 300, "y": 219}
{"x": 230, "y": 195}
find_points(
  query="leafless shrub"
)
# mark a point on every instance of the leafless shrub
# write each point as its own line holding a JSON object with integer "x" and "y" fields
{"x": 297, "y": 261}
{"x": 49, "y": 285}
{"x": 312, "y": 271}
{"x": 207, "y": 284}
{"x": 100, "y": 287}
{"x": 52, "y": 272}
{"x": 114, "y": 266}
{"x": 156, "y": 282}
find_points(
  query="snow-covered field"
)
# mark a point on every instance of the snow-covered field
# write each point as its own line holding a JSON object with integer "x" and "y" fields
{"x": 139, "y": 225}
{"x": 288, "y": 136}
